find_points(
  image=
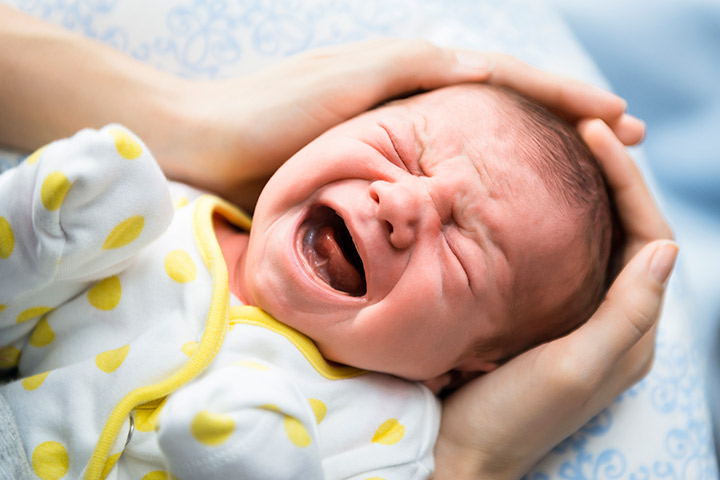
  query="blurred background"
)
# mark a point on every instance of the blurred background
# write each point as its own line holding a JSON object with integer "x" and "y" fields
{"x": 663, "y": 56}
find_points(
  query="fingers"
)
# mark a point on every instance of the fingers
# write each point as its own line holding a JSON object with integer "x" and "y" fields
{"x": 417, "y": 64}
{"x": 628, "y": 129}
{"x": 631, "y": 308}
{"x": 383, "y": 68}
{"x": 572, "y": 97}
{"x": 637, "y": 209}
{"x": 389, "y": 67}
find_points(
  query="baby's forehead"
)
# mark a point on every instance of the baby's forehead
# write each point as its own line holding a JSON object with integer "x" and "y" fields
{"x": 471, "y": 113}
{"x": 476, "y": 120}
{"x": 464, "y": 99}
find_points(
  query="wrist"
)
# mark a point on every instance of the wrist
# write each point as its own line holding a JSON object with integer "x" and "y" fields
{"x": 166, "y": 121}
{"x": 454, "y": 461}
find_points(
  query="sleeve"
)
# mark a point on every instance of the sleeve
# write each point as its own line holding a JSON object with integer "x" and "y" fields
{"x": 75, "y": 211}
{"x": 381, "y": 427}
{"x": 245, "y": 420}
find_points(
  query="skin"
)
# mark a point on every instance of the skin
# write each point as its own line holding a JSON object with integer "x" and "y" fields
{"x": 433, "y": 194}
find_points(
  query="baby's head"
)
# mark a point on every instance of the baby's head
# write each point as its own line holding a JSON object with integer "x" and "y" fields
{"x": 441, "y": 233}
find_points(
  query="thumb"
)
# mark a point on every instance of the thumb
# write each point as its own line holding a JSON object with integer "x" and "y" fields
{"x": 633, "y": 302}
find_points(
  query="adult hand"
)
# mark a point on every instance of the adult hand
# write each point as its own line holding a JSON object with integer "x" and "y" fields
{"x": 244, "y": 128}
{"x": 231, "y": 135}
{"x": 502, "y": 423}
{"x": 568, "y": 97}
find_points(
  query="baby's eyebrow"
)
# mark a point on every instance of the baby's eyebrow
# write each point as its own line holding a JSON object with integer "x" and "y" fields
{"x": 393, "y": 140}
{"x": 416, "y": 130}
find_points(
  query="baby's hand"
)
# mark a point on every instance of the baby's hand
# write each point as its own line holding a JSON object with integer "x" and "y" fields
{"x": 74, "y": 212}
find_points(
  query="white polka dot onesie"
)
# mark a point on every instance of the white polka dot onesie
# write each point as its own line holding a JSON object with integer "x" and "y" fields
{"x": 134, "y": 360}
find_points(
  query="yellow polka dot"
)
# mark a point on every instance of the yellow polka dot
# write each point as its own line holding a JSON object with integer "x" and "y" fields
{"x": 180, "y": 267}
{"x": 145, "y": 421}
{"x": 296, "y": 432}
{"x": 124, "y": 232}
{"x": 155, "y": 475}
{"x": 189, "y": 348}
{"x": 9, "y": 356}
{"x": 2, "y": 307}
{"x": 34, "y": 382}
{"x": 146, "y": 415}
{"x": 212, "y": 429}
{"x": 31, "y": 313}
{"x": 389, "y": 433}
{"x": 110, "y": 360}
{"x": 50, "y": 461}
{"x": 375, "y": 478}
{"x": 294, "y": 429}
{"x": 252, "y": 364}
{"x": 53, "y": 190}
{"x": 35, "y": 156}
{"x": 125, "y": 144}
{"x": 42, "y": 334}
{"x": 180, "y": 202}
{"x": 318, "y": 408}
{"x": 109, "y": 464}
{"x": 7, "y": 238}
{"x": 271, "y": 406}
{"x": 105, "y": 295}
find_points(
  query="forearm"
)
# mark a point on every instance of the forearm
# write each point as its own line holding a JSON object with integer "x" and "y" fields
{"x": 468, "y": 462}
{"x": 54, "y": 82}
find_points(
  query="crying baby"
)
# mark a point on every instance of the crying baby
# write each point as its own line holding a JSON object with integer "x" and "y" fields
{"x": 431, "y": 239}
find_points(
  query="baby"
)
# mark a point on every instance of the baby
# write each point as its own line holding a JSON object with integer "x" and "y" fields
{"x": 431, "y": 238}
{"x": 439, "y": 234}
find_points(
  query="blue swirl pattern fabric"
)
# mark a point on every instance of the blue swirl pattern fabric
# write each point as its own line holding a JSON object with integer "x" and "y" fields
{"x": 660, "y": 428}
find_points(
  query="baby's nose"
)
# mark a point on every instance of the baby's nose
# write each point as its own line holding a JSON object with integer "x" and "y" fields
{"x": 401, "y": 205}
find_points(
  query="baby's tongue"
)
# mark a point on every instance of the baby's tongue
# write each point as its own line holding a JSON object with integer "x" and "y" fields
{"x": 336, "y": 270}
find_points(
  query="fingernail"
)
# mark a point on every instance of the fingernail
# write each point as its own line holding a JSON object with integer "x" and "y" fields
{"x": 475, "y": 61}
{"x": 663, "y": 261}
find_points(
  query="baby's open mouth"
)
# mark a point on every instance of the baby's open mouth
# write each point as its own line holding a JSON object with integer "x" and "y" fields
{"x": 330, "y": 252}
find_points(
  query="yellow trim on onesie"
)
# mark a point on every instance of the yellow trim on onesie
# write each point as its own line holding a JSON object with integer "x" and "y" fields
{"x": 255, "y": 316}
{"x": 212, "y": 338}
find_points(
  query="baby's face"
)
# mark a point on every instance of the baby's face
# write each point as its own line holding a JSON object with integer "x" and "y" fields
{"x": 399, "y": 238}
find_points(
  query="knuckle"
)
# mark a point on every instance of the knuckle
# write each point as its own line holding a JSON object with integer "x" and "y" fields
{"x": 639, "y": 321}
{"x": 418, "y": 51}
{"x": 423, "y": 47}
